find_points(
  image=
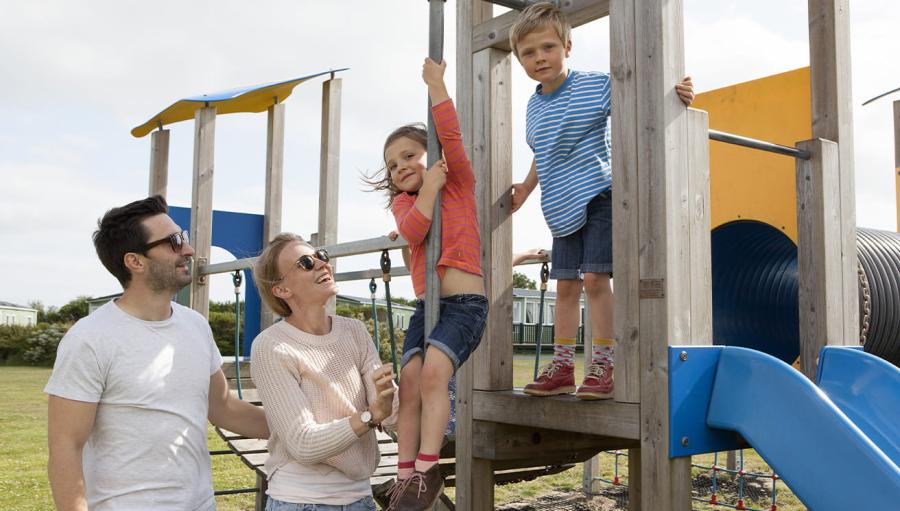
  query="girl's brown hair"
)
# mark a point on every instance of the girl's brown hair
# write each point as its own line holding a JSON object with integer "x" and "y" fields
{"x": 381, "y": 178}
{"x": 266, "y": 273}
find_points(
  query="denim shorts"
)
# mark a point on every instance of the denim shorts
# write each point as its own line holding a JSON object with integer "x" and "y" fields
{"x": 363, "y": 504}
{"x": 457, "y": 333}
{"x": 589, "y": 249}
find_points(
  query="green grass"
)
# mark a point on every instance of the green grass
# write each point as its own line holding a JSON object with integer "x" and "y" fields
{"x": 23, "y": 442}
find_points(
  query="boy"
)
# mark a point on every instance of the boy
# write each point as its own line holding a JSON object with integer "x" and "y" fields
{"x": 567, "y": 128}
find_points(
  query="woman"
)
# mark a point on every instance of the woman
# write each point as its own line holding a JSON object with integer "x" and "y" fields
{"x": 322, "y": 385}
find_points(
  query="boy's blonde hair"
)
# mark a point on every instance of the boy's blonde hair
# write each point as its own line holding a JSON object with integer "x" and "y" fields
{"x": 536, "y": 17}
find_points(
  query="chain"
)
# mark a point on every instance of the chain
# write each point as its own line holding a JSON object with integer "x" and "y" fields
{"x": 867, "y": 304}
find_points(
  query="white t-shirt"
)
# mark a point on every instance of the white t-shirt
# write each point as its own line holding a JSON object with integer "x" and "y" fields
{"x": 150, "y": 379}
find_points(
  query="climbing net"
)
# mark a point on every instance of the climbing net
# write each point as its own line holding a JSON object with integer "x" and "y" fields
{"x": 719, "y": 480}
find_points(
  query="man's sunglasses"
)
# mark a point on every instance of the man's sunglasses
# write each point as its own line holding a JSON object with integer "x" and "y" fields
{"x": 177, "y": 241}
{"x": 306, "y": 261}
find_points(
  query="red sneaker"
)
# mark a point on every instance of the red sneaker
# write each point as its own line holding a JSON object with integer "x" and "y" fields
{"x": 598, "y": 382}
{"x": 556, "y": 378}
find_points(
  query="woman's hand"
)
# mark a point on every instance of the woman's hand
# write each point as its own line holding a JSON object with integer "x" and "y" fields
{"x": 383, "y": 378}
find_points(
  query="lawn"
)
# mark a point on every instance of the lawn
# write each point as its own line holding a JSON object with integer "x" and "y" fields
{"x": 24, "y": 486}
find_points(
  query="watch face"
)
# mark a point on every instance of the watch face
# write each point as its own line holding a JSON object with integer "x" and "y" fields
{"x": 366, "y": 416}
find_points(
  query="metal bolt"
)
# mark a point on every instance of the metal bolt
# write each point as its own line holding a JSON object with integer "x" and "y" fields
{"x": 683, "y": 355}
{"x": 684, "y": 441}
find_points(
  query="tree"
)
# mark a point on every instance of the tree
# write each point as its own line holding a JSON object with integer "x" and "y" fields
{"x": 74, "y": 310}
{"x": 521, "y": 281}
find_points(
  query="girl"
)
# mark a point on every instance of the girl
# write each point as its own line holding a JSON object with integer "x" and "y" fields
{"x": 428, "y": 364}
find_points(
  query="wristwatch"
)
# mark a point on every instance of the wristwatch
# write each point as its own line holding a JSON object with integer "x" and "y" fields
{"x": 366, "y": 418}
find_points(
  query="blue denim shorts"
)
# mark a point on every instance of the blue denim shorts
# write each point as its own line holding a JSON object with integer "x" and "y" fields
{"x": 457, "y": 333}
{"x": 363, "y": 504}
{"x": 589, "y": 249}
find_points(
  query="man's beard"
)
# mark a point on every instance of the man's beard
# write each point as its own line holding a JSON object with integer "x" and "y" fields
{"x": 166, "y": 278}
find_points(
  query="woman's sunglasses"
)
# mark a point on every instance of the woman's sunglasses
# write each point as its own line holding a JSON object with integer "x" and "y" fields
{"x": 177, "y": 241}
{"x": 306, "y": 261}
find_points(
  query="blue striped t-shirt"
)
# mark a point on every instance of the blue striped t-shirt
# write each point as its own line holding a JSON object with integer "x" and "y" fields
{"x": 568, "y": 131}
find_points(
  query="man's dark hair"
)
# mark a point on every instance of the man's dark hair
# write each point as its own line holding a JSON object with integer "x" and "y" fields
{"x": 120, "y": 231}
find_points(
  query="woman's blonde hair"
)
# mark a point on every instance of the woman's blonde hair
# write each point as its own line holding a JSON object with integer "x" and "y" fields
{"x": 266, "y": 273}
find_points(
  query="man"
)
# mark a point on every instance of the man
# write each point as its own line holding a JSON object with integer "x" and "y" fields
{"x": 135, "y": 382}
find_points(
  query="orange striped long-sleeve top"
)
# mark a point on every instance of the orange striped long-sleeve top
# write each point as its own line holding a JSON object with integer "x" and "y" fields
{"x": 460, "y": 240}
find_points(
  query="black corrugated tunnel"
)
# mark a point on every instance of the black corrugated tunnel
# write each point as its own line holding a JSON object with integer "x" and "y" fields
{"x": 754, "y": 290}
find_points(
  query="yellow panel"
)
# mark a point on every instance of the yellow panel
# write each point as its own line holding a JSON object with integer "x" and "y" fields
{"x": 747, "y": 184}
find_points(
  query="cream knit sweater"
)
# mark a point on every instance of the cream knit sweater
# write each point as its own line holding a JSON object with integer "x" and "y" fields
{"x": 310, "y": 385}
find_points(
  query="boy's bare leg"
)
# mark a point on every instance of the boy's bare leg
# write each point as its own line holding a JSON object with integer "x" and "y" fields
{"x": 599, "y": 295}
{"x": 568, "y": 308}
{"x": 408, "y": 421}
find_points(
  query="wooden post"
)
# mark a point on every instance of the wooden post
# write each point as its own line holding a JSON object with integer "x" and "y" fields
{"x": 897, "y": 157}
{"x": 492, "y": 157}
{"x": 625, "y": 200}
{"x": 699, "y": 225}
{"x": 274, "y": 185}
{"x": 329, "y": 167}
{"x": 819, "y": 263}
{"x": 663, "y": 233}
{"x": 201, "y": 203}
{"x": 832, "y": 119}
{"x": 475, "y": 476}
{"x": 159, "y": 162}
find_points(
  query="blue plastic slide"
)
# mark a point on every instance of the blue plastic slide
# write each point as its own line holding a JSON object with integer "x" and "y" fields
{"x": 867, "y": 389}
{"x": 826, "y": 459}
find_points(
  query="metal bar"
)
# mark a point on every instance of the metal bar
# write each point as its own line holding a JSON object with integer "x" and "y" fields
{"x": 433, "y": 250}
{"x": 349, "y": 248}
{"x": 752, "y": 143}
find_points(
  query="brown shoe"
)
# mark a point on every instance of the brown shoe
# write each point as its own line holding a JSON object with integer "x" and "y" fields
{"x": 420, "y": 491}
{"x": 598, "y": 382}
{"x": 556, "y": 378}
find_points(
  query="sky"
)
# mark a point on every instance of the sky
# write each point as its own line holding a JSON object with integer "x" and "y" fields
{"x": 77, "y": 76}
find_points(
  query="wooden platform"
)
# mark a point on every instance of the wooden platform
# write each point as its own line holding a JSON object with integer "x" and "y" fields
{"x": 605, "y": 418}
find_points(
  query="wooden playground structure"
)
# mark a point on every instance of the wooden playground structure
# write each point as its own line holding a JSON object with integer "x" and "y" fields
{"x": 661, "y": 235}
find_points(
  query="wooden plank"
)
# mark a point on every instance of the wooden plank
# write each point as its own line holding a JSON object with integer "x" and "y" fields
{"x": 819, "y": 262}
{"x": 201, "y": 203}
{"x": 329, "y": 167}
{"x": 474, "y": 476}
{"x": 229, "y": 369}
{"x": 626, "y": 248}
{"x": 499, "y": 442}
{"x": 563, "y": 413}
{"x": 492, "y": 158}
{"x": 832, "y": 113}
{"x": 664, "y": 286}
{"x": 700, "y": 258}
{"x": 897, "y": 157}
{"x": 159, "y": 162}
{"x": 494, "y": 33}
